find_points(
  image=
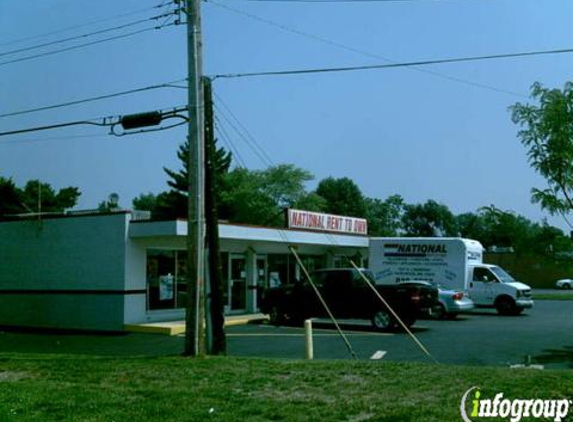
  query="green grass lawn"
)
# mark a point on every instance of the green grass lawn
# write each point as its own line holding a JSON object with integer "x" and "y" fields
{"x": 63, "y": 388}
{"x": 553, "y": 296}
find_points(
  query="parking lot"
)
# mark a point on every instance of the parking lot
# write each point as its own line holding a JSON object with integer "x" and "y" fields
{"x": 483, "y": 338}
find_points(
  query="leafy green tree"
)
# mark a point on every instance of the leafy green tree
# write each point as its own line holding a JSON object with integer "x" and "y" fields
{"x": 145, "y": 202}
{"x": 35, "y": 197}
{"x": 259, "y": 196}
{"x": 547, "y": 133}
{"x": 110, "y": 204}
{"x": 385, "y": 217}
{"x": 471, "y": 225}
{"x": 495, "y": 227}
{"x": 429, "y": 220}
{"x": 311, "y": 202}
{"x": 51, "y": 201}
{"x": 10, "y": 197}
{"x": 343, "y": 197}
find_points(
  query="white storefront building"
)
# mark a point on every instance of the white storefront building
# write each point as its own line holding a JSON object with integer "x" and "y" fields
{"x": 104, "y": 271}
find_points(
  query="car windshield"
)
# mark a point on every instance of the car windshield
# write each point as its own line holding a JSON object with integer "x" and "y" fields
{"x": 503, "y": 276}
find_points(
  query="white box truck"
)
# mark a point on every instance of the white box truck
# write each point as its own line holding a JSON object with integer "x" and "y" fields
{"x": 454, "y": 263}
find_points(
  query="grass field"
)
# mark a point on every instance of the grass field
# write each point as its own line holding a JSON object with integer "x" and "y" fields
{"x": 62, "y": 388}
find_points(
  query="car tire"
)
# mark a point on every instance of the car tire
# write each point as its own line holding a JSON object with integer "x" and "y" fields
{"x": 505, "y": 306}
{"x": 382, "y": 320}
{"x": 276, "y": 316}
{"x": 567, "y": 286}
{"x": 441, "y": 312}
{"x": 407, "y": 320}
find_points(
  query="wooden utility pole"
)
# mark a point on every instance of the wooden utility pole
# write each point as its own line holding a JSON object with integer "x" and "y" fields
{"x": 195, "y": 310}
{"x": 217, "y": 306}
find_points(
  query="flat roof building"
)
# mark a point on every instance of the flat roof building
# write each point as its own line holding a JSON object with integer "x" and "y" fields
{"x": 104, "y": 271}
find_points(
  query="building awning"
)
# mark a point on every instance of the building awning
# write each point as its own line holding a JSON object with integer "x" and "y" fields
{"x": 178, "y": 228}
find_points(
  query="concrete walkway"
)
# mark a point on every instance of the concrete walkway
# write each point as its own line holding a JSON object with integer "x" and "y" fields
{"x": 173, "y": 328}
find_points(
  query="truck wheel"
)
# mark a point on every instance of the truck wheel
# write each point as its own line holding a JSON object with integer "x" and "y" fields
{"x": 505, "y": 306}
{"x": 276, "y": 316}
{"x": 408, "y": 321}
{"x": 382, "y": 320}
{"x": 441, "y": 312}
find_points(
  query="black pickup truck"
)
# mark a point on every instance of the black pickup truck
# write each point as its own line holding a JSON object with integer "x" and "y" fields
{"x": 349, "y": 297}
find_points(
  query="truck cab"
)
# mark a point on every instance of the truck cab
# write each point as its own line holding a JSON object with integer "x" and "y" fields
{"x": 491, "y": 286}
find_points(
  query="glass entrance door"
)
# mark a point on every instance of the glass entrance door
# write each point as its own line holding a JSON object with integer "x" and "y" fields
{"x": 262, "y": 281}
{"x": 238, "y": 283}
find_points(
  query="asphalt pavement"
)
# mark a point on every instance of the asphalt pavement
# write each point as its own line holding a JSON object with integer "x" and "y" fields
{"x": 544, "y": 334}
{"x": 540, "y": 335}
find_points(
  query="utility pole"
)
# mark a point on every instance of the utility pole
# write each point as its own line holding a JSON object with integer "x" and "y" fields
{"x": 195, "y": 311}
{"x": 217, "y": 307}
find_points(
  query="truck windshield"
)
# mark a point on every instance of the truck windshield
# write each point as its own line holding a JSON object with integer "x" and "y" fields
{"x": 503, "y": 276}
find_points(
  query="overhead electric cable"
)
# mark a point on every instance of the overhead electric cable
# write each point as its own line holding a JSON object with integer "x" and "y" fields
{"x": 267, "y": 159}
{"x": 75, "y": 47}
{"x": 227, "y": 139}
{"x": 359, "y": 51}
{"x": 99, "y": 97}
{"x": 391, "y": 65}
{"x": 56, "y": 126}
{"x": 86, "y": 35}
{"x": 54, "y": 138}
{"x": 127, "y": 121}
{"x": 71, "y": 28}
{"x": 243, "y": 137}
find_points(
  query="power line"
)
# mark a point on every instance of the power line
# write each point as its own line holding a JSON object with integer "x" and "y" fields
{"x": 361, "y": 52}
{"x": 71, "y": 28}
{"x": 227, "y": 139}
{"x": 75, "y": 47}
{"x": 392, "y": 65}
{"x": 100, "y": 97}
{"x": 243, "y": 137}
{"x": 141, "y": 120}
{"x": 6, "y": 142}
{"x": 57, "y": 126}
{"x": 245, "y": 130}
{"x": 90, "y": 34}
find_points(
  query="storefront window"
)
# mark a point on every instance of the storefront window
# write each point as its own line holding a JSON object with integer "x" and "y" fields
{"x": 166, "y": 279}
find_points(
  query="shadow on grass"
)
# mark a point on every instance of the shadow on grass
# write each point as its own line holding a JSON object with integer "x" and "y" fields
{"x": 89, "y": 344}
{"x": 563, "y": 356}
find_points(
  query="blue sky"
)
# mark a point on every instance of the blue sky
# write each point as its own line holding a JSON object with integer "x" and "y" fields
{"x": 418, "y": 134}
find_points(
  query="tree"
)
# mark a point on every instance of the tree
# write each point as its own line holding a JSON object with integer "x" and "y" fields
{"x": 311, "y": 202}
{"x": 343, "y": 197}
{"x": 429, "y": 219}
{"x": 109, "y": 205}
{"x": 145, "y": 202}
{"x": 35, "y": 197}
{"x": 495, "y": 227}
{"x": 179, "y": 180}
{"x": 50, "y": 200}
{"x": 547, "y": 133}
{"x": 385, "y": 217}
{"x": 172, "y": 204}
{"x": 10, "y": 197}
{"x": 259, "y": 196}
